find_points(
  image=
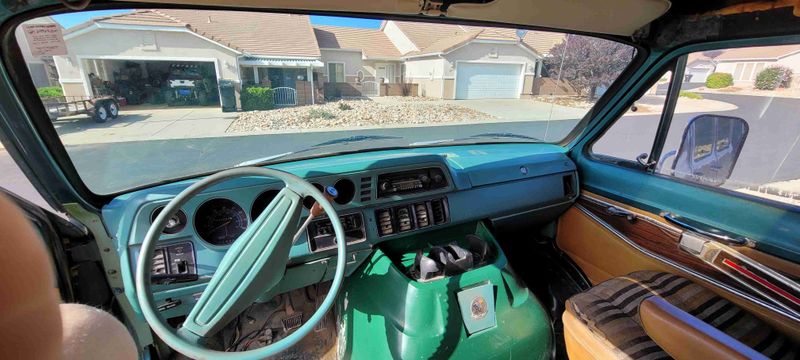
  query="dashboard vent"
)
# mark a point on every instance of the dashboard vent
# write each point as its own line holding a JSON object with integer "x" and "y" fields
{"x": 421, "y": 214}
{"x": 439, "y": 211}
{"x": 385, "y": 226}
{"x": 159, "y": 262}
{"x": 366, "y": 189}
{"x": 404, "y": 222}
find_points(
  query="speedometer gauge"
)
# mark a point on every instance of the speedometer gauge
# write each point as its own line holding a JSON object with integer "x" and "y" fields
{"x": 220, "y": 221}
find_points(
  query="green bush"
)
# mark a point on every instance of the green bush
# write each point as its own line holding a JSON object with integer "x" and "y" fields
{"x": 719, "y": 80}
{"x": 320, "y": 114}
{"x": 257, "y": 98}
{"x": 344, "y": 106}
{"x": 50, "y": 91}
{"x": 774, "y": 77}
{"x": 690, "y": 95}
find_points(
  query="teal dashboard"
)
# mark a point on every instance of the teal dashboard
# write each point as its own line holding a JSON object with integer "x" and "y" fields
{"x": 383, "y": 196}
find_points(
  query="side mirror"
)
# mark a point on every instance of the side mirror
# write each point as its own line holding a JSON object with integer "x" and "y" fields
{"x": 709, "y": 149}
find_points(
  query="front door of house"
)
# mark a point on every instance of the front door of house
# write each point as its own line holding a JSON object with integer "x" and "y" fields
{"x": 385, "y": 72}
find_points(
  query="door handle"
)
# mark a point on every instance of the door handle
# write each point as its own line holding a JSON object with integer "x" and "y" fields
{"x": 707, "y": 231}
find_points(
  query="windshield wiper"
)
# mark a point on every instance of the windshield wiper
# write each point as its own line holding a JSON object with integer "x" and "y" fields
{"x": 340, "y": 141}
{"x": 470, "y": 138}
{"x": 505, "y": 135}
{"x": 355, "y": 138}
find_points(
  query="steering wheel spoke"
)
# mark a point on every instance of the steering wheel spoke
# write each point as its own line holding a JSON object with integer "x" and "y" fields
{"x": 253, "y": 264}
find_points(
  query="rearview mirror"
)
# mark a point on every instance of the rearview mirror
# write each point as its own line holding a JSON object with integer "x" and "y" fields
{"x": 710, "y": 146}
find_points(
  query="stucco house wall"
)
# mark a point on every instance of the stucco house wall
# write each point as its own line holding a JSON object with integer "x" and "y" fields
{"x": 351, "y": 59}
{"x": 428, "y": 73}
{"x": 139, "y": 45}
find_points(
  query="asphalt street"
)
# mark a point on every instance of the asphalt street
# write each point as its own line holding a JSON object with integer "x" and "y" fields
{"x": 770, "y": 154}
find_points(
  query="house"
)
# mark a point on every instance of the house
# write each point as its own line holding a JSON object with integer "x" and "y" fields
{"x": 743, "y": 64}
{"x": 148, "y": 43}
{"x": 698, "y": 67}
{"x": 465, "y": 62}
{"x": 41, "y": 68}
{"x": 307, "y": 62}
{"x": 357, "y": 60}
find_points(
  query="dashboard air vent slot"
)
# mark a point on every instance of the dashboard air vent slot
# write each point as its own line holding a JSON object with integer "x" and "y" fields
{"x": 366, "y": 189}
{"x": 404, "y": 222}
{"x": 569, "y": 186}
{"x": 439, "y": 211}
{"x": 159, "y": 262}
{"x": 421, "y": 214}
{"x": 385, "y": 226}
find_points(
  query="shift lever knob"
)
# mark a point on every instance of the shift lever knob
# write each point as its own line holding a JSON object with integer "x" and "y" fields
{"x": 330, "y": 193}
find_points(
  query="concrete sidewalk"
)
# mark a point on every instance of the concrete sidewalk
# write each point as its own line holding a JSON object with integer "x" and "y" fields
{"x": 146, "y": 123}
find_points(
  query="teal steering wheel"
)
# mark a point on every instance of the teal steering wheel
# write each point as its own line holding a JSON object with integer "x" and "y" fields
{"x": 254, "y": 264}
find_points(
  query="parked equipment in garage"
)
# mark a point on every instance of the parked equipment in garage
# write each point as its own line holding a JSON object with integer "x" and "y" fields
{"x": 100, "y": 108}
{"x": 186, "y": 86}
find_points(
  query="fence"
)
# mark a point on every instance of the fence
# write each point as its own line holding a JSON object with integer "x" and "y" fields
{"x": 285, "y": 96}
{"x": 370, "y": 88}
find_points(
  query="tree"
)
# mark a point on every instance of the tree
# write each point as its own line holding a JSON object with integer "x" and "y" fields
{"x": 587, "y": 63}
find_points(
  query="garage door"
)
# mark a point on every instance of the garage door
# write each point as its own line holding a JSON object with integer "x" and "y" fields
{"x": 487, "y": 81}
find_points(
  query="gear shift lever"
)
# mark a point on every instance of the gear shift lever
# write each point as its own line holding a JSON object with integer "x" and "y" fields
{"x": 330, "y": 193}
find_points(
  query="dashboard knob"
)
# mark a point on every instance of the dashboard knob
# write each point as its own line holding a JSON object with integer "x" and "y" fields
{"x": 437, "y": 178}
{"x": 384, "y": 186}
{"x": 424, "y": 178}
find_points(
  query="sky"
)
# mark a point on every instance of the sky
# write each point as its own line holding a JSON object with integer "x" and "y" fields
{"x": 72, "y": 19}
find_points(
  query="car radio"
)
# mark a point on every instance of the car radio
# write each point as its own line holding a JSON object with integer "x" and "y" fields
{"x": 411, "y": 181}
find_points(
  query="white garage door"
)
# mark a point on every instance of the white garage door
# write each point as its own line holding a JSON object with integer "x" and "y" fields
{"x": 488, "y": 81}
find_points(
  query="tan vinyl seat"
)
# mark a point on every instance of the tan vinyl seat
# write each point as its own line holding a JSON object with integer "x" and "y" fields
{"x": 34, "y": 324}
{"x": 656, "y": 315}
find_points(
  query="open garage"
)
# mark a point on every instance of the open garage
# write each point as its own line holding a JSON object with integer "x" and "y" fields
{"x": 138, "y": 81}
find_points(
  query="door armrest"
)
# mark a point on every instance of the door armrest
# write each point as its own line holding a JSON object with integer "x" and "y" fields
{"x": 684, "y": 336}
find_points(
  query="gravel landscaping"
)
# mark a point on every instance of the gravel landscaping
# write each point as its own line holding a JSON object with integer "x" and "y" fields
{"x": 356, "y": 113}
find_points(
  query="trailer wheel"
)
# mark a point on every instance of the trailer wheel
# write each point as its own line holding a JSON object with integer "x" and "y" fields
{"x": 113, "y": 108}
{"x": 101, "y": 113}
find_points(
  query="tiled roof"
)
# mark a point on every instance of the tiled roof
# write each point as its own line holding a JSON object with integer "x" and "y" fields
{"x": 757, "y": 53}
{"x": 372, "y": 42}
{"x": 434, "y": 38}
{"x": 543, "y": 41}
{"x": 255, "y": 33}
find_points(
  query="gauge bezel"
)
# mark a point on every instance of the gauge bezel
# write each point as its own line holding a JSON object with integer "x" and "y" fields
{"x": 196, "y": 218}
{"x": 181, "y": 216}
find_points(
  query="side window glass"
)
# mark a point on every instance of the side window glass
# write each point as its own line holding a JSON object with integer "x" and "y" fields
{"x": 741, "y": 131}
{"x": 633, "y": 133}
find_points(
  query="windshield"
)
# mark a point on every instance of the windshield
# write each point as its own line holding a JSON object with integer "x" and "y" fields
{"x": 147, "y": 95}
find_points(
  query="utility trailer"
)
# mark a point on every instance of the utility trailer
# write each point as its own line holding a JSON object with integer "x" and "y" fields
{"x": 100, "y": 109}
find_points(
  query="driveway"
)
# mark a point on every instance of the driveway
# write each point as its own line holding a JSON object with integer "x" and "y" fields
{"x": 146, "y": 122}
{"x": 522, "y": 109}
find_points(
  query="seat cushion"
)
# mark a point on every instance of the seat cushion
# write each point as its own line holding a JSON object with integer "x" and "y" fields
{"x": 611, "y": 311}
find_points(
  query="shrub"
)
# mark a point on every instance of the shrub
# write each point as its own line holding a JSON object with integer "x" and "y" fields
{"x": 320, "y": 114}
{"x": 719, "y": 80}
{"x": 257, "y": 98}
{"x": 344, "y": 106}
{"x": 690, "y": 95}
{"x": 774, "y": 77}
{"x": 50, "y": 91}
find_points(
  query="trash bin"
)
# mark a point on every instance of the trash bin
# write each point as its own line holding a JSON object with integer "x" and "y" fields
{"x": 227, "y": 94}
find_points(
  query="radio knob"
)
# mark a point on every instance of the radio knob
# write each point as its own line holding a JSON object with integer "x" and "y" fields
{"x": 384, "y": 186}
{"x": 437, "y": 178}
{"x": 424, "y": 179}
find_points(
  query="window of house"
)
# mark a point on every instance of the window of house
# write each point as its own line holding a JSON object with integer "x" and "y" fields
{"x": 247, "y": 75}
{"x": 633, "y": 133}
{"x": 336, "y": 72}
{"x": 742, "y": 139}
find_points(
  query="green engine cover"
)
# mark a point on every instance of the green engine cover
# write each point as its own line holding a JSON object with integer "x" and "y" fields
{"x": 385, "y": 314}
